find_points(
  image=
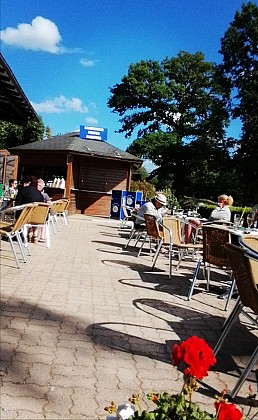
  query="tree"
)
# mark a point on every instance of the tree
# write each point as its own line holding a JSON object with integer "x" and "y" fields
{"x": 179, "y": 95}
{"x": 239, "y": 48}
{"x": 12, "y": 135}
{"x": 48, "y": 132}
{"x": 173, "y": 105}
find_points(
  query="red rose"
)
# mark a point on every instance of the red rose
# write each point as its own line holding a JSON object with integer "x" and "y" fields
{"x": 227, "y": 411}
{"x": 197, "y": 355}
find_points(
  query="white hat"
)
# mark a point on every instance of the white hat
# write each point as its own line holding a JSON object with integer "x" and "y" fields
{"x": 162, "y": 199}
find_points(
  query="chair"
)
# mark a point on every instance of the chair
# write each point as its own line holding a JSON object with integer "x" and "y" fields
{"x": 54, "y": 208}
{"x": 62, "y": 210}
{"x": 245, "y": 271}
{"x": 128, "y": 217}
{"x": 16, "y": 229}
{"x": 249, "y": 241}
{"x": 39, "y": 218}
{"x": 214, "y": 240}
{"x": 173, "y": 225}
{"x": 136, "y": 232}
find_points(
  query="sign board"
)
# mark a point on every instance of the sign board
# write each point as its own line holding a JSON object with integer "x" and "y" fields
{"x": 93, "y": 133}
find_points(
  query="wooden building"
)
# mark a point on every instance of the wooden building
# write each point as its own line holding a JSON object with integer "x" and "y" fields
{"x": 16, "y": 109}
{"x": 91, "y": 170}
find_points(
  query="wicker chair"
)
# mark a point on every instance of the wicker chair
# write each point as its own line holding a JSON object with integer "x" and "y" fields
{"x": 62, "y": 209}
{"x": 249, "y": 241}
{"x": 39, "y": 218}
{"x": 245, "y": 270}
{"x": 173, "y": 225}
{"x": 214, "y": 254}
{"x": 128, "y": 217}
{"x": 16, "y": 229}
{"x": 152, "y": 234}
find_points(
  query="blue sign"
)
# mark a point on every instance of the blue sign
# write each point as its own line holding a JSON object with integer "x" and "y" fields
{"x": 93, "y": 133}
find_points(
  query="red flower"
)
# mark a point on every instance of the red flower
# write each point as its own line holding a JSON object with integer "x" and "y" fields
{"x": 227, "y": 411}
{"x": 197, "y": 355}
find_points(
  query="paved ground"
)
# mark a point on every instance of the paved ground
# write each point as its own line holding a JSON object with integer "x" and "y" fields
{"x": 86, "y": 322}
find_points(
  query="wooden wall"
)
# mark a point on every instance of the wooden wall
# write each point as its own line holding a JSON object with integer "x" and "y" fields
{"x": 92, "y": 178}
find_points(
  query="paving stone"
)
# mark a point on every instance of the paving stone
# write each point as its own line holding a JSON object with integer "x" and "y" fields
{"x": 87, "y": 322}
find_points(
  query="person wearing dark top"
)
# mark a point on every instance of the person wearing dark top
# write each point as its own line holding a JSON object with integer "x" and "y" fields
{"x": 28, "y": 193}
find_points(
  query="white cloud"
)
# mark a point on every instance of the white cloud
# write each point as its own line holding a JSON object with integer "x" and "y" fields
{"x": 60, "y": 105}
{"x": 85, "y": 62}
{"x": 41, "y": 35}
{"x": 91, "y": 121}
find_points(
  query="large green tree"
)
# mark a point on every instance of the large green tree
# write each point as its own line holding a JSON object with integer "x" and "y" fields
{"x": 176, "y": 107}
{"x": 14, "y": 135}
{"x": 180, "y": 94}
{"x": 239, "y": 48}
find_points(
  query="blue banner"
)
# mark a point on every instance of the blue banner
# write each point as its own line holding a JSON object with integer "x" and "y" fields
{"x": 93, "y": 133}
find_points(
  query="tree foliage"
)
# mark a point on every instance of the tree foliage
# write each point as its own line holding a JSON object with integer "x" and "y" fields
{"x": 179, "y": 108}
{"x": 239, "y": 48}
{"x": 180, "y": 94}
{"x": 12, "y": 135}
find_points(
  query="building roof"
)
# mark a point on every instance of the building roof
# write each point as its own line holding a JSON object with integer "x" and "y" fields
{"x": 72, "y": 143}
{"x": 14, "y": 105}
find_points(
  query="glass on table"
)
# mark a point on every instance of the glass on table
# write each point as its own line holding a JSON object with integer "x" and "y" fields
{"x": 237, "y": 220}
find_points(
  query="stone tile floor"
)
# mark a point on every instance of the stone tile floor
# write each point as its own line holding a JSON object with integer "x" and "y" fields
{"x": 86, "y": 322}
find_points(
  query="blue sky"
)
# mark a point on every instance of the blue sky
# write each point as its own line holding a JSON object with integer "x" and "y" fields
{"x": 66, "y": 54}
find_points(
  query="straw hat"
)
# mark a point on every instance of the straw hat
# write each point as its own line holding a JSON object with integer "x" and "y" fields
{"x": 162, "y": 199}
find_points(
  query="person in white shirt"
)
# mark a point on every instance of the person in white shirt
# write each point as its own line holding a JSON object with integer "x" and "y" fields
{"x": 153, "y": 208}
{"x": 221, "y": 212}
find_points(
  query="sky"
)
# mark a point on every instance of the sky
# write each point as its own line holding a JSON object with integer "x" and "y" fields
{"x": 67, "y": 54}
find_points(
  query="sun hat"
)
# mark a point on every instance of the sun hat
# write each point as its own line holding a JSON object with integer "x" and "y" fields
{"x": 161, "y": 198}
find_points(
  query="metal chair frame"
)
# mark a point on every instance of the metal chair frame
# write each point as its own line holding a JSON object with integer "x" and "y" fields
{"x": 245, "y": 269}
{"x": 16, "y": 230}
{"x": 214, "y": 254}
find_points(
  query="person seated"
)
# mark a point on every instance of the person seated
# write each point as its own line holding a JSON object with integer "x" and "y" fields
{"x": 40, "y": 232}
{"x": 220, "y": 213}
{"x": 153, "y": 207}
{"x": 28, "y": 192}
{"x": 12, "y": 188}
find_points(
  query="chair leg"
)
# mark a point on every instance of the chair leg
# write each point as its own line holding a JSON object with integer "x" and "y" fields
{"x": 245, "y": 373}
{"x": 180, "y": 259}
{"x": 208, "y": 269}
{"x": 155, "y": 257}
{"x": 21, "y": 246}
{"x": 143, "y": 242}
{"x": 14, "y": 252}
{"x": 194, "y": 279}
{"x": 130, "y": 237}
{"x": 47, "y": 234}
{"x": 230, "y": 293}
{"x": 231, "y": 319}
{"x": 231, "y": 314}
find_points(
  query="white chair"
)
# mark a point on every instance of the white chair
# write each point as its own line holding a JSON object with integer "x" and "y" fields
{"x": 17, "y": 230}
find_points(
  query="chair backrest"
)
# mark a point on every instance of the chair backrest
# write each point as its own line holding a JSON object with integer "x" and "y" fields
{"x": 125, "y": 212}
{"x": 214, "y": 240}
{"x": 24, "y": 216}
{"x": 245, "y": 271}
{"x": 63, "y": 205}
{"x": 39, "y": 214}
{"x": 55, "y": 206}
{"x": 250, "y": 242}
{"x": 152, "y": 226}
{"x": 174, "y": 225}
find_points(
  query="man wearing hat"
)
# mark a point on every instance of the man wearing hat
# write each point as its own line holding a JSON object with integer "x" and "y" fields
{"x": 153, "y": 208}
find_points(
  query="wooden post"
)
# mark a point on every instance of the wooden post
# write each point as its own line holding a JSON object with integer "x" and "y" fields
{"x": 69, "y": 179}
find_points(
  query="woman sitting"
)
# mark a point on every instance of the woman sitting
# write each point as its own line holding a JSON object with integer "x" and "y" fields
{"x": 220, "y": 213}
